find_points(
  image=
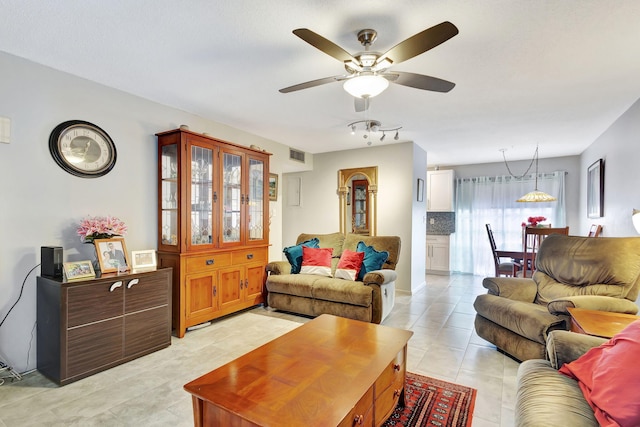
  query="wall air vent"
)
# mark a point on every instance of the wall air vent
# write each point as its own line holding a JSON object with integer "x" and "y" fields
{"x": 296, "y": 155}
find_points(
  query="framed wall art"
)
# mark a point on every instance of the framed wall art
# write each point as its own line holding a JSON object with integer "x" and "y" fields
{"x": 420, "y": 196}
{"x": 273, "y": 187}
{"x": 112, "y": 254}
{"x": 595, "y": 189}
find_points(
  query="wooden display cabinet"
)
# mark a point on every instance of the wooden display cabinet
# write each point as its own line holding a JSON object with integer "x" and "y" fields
{"x": 212, "y": 224}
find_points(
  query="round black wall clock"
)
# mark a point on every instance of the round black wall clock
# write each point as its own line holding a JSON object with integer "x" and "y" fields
{"x": 82, "y": 149}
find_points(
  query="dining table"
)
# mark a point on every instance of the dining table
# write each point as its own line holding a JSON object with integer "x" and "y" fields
{"x": 518, "y": 256}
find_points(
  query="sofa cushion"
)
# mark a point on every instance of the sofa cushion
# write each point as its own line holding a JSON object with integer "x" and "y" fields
{"x": 349, "y": 265}
{"x": 338, "y": 290}
{"x": 373, "y": 259}
{"x": 292, "y": 284}
{"x": 294, "y": 253}
{"x": 608, "y": 376}
{"x": 316, "y": 261}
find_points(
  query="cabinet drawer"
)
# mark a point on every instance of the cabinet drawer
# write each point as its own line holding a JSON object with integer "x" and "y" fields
{"x": 207, "y": 262}
{"x": 249, "y": 255}
{"x": 393, "y": 373}
{"x": 439, "y": 239}
{"x": 362, "y": 412}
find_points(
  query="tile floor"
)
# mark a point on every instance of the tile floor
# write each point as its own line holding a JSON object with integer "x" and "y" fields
{"x": 148, "y": 391}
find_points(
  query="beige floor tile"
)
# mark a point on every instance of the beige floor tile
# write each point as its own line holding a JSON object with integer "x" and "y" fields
{"x": 148, "y": 391}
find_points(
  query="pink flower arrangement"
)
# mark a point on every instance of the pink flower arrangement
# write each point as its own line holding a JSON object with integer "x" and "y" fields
{"x": 100, "y": 227}
{"x": 533, "y": 221}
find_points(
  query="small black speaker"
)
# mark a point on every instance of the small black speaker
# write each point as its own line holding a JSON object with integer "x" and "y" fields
{"x": 51, "y": 261}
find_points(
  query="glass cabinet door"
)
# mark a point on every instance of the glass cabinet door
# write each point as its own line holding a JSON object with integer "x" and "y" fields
{"x": 360, "y": 206}
{"x": 232, "y": 197}
{"x": 169, "y": 195}
{"x": 255, "y": 200}
{"x": 201, "y": 189}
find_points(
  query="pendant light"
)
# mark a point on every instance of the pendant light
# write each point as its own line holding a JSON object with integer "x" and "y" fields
{"x": 535, "y": 195}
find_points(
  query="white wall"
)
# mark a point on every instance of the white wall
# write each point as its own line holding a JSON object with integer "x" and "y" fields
{"x": 619, "y": 147}
{"x": 319, "y": 210}
{"x": 42, "y": 205}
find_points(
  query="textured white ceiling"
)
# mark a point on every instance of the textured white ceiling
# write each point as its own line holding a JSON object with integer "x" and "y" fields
{"x": 553, "y": 73}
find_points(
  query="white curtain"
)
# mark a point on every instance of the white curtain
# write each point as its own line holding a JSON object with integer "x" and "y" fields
{"x": 492, "y": 200}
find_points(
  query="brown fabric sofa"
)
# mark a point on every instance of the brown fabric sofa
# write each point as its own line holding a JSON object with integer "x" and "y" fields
{"x": 600, "y": 273}
{"x": 544, "y": 396}
{"x": 370, "y": 300}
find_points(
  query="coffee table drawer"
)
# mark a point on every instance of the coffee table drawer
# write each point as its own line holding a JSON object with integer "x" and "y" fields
{"x": 392, "y": 373}
{"x": 362, "y": 412}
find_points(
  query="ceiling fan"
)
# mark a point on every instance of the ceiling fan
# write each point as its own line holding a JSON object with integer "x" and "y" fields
{"x": 368, "y": 73}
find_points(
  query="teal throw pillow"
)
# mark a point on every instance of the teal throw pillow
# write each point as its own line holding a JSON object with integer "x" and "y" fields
{"x": 373, "y": 260}
{"x": 294, "y": 253}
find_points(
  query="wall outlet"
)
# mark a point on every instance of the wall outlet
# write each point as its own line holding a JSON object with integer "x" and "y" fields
{"x": 432, "y": 221}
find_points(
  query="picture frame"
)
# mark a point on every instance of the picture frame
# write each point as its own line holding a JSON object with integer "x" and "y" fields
{"x": 273, "y": 187}
{"x": 76, "y": 270}
{"x": 595, "y": 189}
{"x": 143, "y": 259}
{"x": 420, "y": 195}
{"x": 112, "y": 255}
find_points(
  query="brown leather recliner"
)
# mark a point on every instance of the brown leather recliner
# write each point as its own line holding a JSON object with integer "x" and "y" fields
{"x": 571, "y": 271}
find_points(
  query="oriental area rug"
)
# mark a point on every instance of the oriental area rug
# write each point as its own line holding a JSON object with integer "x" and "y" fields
{"x": 432, "y": 402}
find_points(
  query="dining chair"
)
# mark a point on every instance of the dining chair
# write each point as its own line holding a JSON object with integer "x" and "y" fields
{"x": 595, "y": 230}
{"x": 533, "y": 237}
{"x": 503, "y": 268}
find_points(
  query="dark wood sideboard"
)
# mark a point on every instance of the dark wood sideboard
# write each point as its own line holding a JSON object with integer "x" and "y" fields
{"x": 88, "y": 326}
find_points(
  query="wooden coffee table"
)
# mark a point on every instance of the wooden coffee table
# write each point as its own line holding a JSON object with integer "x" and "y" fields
{"x": 330, "y": 371}
{"x": 603, "y": 324}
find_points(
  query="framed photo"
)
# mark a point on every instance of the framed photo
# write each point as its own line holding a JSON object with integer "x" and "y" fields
{"x": 78, "y": 270}
{"x": 143, "y": 259}
{"x": 273, "y": 187}
{"x": 595, "y": 189}
{"x": 420, "y": 196}
{"x": 112, "y": 254}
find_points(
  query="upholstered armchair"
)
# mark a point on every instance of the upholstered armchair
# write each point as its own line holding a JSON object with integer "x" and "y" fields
{"x": 517, "y": 314}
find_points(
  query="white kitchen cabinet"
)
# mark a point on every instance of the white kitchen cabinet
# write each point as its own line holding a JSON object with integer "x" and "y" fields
{"x": 440, "y": 190}
{"x": 438, "y": 254}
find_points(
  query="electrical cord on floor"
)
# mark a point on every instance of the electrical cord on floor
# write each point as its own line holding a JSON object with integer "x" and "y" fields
{"x": 4, "y": 366}
{"x": 20, "y": 295}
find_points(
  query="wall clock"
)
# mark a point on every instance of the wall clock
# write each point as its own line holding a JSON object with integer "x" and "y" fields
{"x": 82, "y": 149}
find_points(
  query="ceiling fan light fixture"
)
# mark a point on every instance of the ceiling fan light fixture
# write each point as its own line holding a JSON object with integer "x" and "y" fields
{"x": 366, "y": 86}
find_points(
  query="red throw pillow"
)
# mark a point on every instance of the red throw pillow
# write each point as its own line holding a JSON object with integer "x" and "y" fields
{"x": 316, "y": 261}
{"x": 609, "y": 377}
{"x": 349, "y": 265}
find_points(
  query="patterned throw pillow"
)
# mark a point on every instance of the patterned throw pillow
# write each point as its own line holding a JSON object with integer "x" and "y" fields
{"x": 294, "y": 253}
{"x": 316, "y": 261}
{"x": 349, "y": 265}
{"x": 373, "y": 260}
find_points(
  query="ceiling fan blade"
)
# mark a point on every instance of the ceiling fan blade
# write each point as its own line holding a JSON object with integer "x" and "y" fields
{"x": 312, "y": 83}
{"x": 420, "y": 81}
{"x": 361, "y": 104}
{"x": 328, "y": 47}
{"x": 420, "y": 43}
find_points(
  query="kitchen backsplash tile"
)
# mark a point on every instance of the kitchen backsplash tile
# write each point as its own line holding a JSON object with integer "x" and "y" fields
{"x": 444, "y": 223}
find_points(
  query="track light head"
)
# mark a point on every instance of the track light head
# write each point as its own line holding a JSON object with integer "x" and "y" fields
{"x": 397, "y": 136}
{"x": 382, "y": 137}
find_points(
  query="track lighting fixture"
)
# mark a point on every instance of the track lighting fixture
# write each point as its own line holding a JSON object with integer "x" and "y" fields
{"x": 373, "y": 126}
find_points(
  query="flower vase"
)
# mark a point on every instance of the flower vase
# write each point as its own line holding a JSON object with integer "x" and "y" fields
{"x": 95, "y": 262}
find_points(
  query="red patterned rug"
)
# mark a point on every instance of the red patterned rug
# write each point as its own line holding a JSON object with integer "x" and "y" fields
{"x": 432, "y": 402}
